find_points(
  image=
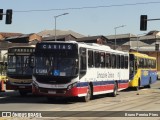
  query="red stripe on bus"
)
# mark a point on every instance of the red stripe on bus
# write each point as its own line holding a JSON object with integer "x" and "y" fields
{"x": 103, "y": 88}
{"x": 123, "y": 85}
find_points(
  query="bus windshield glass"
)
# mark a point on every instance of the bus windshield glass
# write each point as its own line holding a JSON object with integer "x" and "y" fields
{"x": 56, "y": 63}
{"x": 18, "y": 64}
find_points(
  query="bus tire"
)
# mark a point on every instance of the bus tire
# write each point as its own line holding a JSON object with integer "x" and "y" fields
{"x": 115, "y": 90}
{"x": 88, "y": 97}
{"x": 138, "y": 87}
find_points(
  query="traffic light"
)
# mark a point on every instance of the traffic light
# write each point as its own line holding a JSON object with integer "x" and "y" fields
{"x": 1, "y": 14}
{"x": 157, "y": 47}
{"x": 9, "y": 16}
{"x": 143, "y": 22}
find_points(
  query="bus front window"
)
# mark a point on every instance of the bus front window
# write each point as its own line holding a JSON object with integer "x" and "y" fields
{"x": 11, "y": 64}
{"x": 61, "y": 64}
{"x": 19, "y": 65}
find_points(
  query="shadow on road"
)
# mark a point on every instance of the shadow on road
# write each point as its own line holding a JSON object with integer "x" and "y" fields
{"x": 14, "y": 97}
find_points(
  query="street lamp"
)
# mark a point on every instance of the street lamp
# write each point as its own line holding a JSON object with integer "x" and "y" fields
{"x": 55, "y": 17}
{"x": 115, "y": 34}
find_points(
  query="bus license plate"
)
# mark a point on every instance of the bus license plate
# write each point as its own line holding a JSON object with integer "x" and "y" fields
{"x": 21, "y": 86}
{"x": 51, "y": 92}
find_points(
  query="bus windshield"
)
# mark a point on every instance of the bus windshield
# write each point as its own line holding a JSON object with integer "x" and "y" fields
{"x": 57, "y": 63}
{"x": 18, "y": 64}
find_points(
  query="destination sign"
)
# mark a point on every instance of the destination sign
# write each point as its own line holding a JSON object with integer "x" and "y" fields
{"x": 56, "y": 46}
{"x": 21, "y": 50}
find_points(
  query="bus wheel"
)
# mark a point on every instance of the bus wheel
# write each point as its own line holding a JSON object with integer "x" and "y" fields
{"x": 89, "y": 94}
{"x": 138, "y": 87}
{"x": 23, "y": 92}
{"x": 115, "y": 90}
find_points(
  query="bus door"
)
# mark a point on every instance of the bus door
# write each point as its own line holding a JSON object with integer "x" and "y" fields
{"x": 133, "y": 66}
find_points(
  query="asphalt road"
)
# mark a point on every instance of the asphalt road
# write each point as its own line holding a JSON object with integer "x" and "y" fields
{"x": 126, "y": 101}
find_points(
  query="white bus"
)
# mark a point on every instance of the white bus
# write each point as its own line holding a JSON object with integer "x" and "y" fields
{"x": 72, "y": 69}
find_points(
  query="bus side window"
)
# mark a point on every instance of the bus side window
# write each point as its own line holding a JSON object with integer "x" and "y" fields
{"x": 102, "y": 59}
{"x": 113, "y": 60}
{"x": 108, "y": 60}
{"x": 90, "y": 59}
{"x": 97, "y": 59}
{"x": 118, "y": 61}
{"x": 83, "y": 66}
{"x": 122, "y": 61}
{"x": 149, "y": 63}
{"x": 141, "y": 63}
{"x": 126, "y": 61}
{"x": 153, "y": 64}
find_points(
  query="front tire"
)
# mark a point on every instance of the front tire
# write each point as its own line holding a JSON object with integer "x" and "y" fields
{"x": 138, "y": 87}
{"x": 89, "y": 95}
{"x": 115, "y": 90}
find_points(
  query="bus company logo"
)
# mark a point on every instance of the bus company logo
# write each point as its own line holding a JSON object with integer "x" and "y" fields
{"x": 145, "y": 73}
{"x": 6, "y": 114}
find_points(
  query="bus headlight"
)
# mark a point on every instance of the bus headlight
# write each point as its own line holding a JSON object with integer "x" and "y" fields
{"x": 71, "y": 85}
{"x": 35, "y": 84}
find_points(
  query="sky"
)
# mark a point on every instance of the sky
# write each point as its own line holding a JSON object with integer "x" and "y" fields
{"x": 87, "y": 17}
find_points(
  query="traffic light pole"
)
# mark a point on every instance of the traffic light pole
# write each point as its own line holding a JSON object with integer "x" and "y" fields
{"x": 153, "y": 19}
{"x": 143, "y": 22}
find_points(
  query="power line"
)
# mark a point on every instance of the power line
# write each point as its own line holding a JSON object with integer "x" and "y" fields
{"x": 91, "y": 7}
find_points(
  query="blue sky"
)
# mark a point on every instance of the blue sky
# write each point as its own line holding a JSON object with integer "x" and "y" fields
{"x": 97, "y": 21}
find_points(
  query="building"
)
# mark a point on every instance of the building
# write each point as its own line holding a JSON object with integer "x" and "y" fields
{"x": 59, "y": 38}
{"x": 17, "y": 39}
{"x": 93, "y": 39}
{"x": 25, "y": 38}
{"x": 122, "y": 41}
{"x": 47, "y": 33}
{"x": 4, "y": 35}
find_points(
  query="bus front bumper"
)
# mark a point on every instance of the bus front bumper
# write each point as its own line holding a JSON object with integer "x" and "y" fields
{"x": 18, "y": 86}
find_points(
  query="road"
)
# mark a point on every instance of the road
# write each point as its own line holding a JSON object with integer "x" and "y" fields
{"x": 127, "y": 100}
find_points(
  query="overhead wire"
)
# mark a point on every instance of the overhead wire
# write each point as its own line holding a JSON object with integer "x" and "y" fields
{"x": 90, "y": 7}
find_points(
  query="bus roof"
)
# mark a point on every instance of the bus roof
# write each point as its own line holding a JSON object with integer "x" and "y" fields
{"x": 89, "y": 45}
{"x": 141, "y": 55}
{"x": 30, "y": 46}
